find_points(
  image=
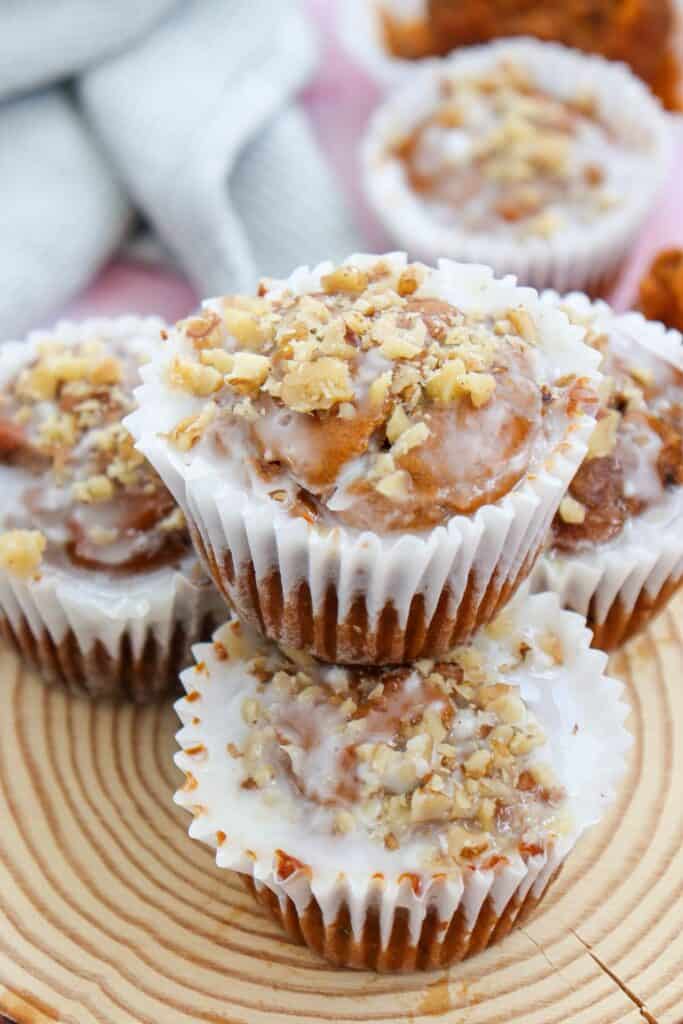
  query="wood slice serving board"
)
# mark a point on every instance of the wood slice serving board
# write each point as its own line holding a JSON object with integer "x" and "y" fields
{"x": 109, "y": 914}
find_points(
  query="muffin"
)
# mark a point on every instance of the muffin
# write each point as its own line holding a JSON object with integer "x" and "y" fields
{"x": 528, "y": 157}
{"x": 100, "y": 589}
{"x": 387, "y": 34}
{"x": 661, "y": 290}
{"x": 616, "y": 548}
{"x": 369, "y": 455}
{"x": 402, "y": 818}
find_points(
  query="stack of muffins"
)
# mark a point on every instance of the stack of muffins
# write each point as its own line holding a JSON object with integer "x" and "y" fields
{"x": 394, "y": 752}
{"x": 397, "y": 740}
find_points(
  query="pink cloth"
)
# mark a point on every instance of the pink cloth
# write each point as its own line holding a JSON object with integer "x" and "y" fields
{"x": 339, "y": 102}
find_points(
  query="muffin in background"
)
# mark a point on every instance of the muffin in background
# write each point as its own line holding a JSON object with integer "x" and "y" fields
{"x": 616, "y": 548}
{"x": 661, "y": 289}
{"x": 402, "y": 818}
{"x": 100, "y": 589}
{"x": 528, "y": 157}
{"x": 640, "y": 33}
{"x": 369, "y": 455}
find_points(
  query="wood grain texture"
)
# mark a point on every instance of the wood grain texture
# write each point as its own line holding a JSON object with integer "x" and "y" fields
{"x": 109, "y": 914}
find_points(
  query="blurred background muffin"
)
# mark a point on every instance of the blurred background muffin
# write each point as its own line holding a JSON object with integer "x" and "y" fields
{"x": 638, "y": 32}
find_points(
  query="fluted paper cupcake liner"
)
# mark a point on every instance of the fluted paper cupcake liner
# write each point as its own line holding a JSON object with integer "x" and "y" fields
{"x": 349, "y": 898}
{"x": 577, "y": 257}
{"x": 94, "y": 634}
{"x": 620, "y": 586}
{"x": 351, "y": 596}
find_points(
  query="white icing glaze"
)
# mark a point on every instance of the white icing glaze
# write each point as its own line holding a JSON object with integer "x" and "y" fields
{"x": 579, "y": 708}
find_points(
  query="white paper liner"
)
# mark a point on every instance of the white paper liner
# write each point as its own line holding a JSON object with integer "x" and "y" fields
{"x": 90, "y": 605}
{"x": 360, "y": 30}
{"x": 387, "y": 571}
{"x": 646, "y": 558}
{"x": 580, "y": 709}
{"x": 578, "y": 257}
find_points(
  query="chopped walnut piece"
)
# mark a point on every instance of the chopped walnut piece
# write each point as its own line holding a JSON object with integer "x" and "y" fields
{"x": 93, "y": 490}
{"x": 409, "y": 281}
{"x": 429, "y": 805}
{"x": 524, "y": 325}
{"x": 397, "y": 423}
{"x": 604, "y": 436}
{"x": 350, "y": 280}
{"x": 186, "y": 434}
{"x": 21, "y": 552}
{"x": 218, "y": 358}
{"x": 319, "y": 385}
{"x": 201, "y": 381}
{"x": 477, "y": 765}
{"x": 571, "y": 510}
{"x": 106, "y": 371}
{"x": 410, "y": 438}
{"x": 249, "y": 371}
{"x": 379, "y": 389}
{"x": 246, "y": 327}
{"x": 394, "y": 485}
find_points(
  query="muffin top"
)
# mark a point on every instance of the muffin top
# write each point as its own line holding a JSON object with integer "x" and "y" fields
{"x": 439, "y": 766}
{"x": 79, "y": 493}
{"x": 497, "y": 154}
{"x": 375, "y": 396}
{"x": 635, "y": 457}
{"x": 443, "y": 750}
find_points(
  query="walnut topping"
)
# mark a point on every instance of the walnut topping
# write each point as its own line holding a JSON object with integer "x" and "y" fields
{"x": 419, "y": 751}
{"x": 410, "y": 438}
{"x": 394, "y": 485}
{"x": 604, "y": 437}
{"x": 368, "y": 365}
{"x": 508, "y": 158}
{"x": 186, "y": 434}
{"x": 249, "y": 371}
{"x": 217, "y": 358}
{"x": 346, "y": 279}
{"x": 572, "y": 511}
{"x": 523, "y": 324}
{"x": 320, "y": 385}
{"x": 21, "y": 552}
{"x": 94, "y": 489}
{"x": 246, "y": 327}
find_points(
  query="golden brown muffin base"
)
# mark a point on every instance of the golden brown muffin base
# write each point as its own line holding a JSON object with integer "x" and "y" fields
{"x": 96, "y": 673}
{"x": 440, "y": 943}
{"x": 620, "y": 624}
{"x": 294, "y": 622}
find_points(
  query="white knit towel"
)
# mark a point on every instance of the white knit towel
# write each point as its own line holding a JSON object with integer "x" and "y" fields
{"x": 200, "y": 120}
{"x": 194, "y": 104}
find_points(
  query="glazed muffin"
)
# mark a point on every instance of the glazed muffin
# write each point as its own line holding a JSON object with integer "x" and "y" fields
{"x": 661, "y": 289}
{"x": 616, "y": 548}
{"x": 100, "y": 589}
{"x": 402, "y": 818}
{"x": 388, "y": 33}
{"x": 369, "y": 455}
{"x": 528, "y": 157}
